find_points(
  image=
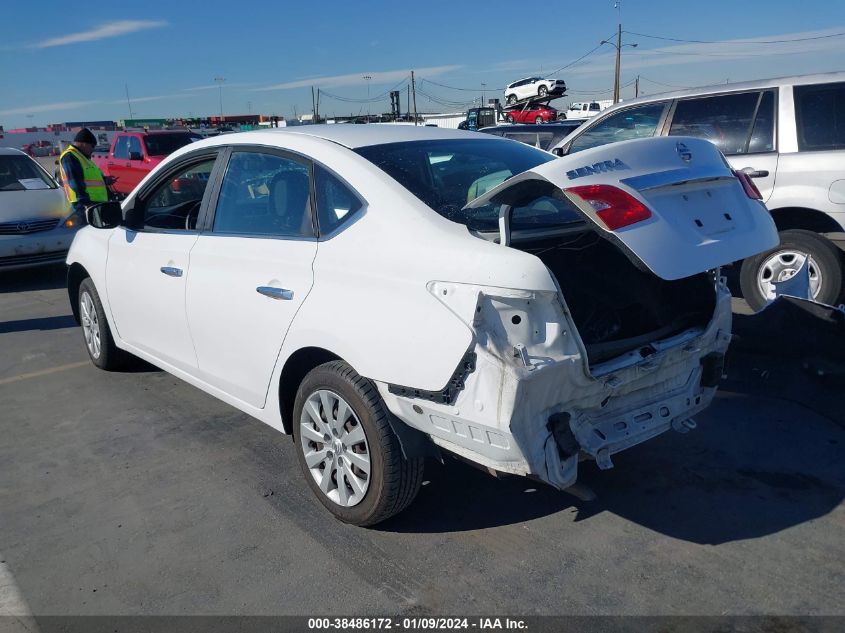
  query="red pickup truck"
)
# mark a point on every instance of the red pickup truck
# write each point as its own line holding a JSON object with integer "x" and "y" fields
{"x": 134, "y": 154}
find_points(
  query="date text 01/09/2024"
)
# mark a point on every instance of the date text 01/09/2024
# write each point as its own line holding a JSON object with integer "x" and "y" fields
{"x": 415, "y": 624}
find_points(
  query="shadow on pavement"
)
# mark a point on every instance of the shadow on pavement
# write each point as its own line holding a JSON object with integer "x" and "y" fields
{"x": 37, "y": 278}
{"x": 43, "y": 323}
{"x": 753, "y": 467}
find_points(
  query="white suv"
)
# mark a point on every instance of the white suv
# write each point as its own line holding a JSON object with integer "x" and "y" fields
{"x": 335, "y": 283}
{"x": 533, "y": 88}
{"x": 789, "y": 136}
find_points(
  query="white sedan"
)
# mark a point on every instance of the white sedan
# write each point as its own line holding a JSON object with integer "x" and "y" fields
{"x": 387, "y": 293}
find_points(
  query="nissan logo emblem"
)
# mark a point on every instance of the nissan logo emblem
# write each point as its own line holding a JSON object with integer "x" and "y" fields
{"x": 684, "y": 152}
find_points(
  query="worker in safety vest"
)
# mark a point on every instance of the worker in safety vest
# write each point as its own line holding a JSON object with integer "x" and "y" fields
{"x": 84, "y": 183}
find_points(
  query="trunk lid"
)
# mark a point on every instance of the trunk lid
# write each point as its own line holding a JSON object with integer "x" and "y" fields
{"x": 701, "y": 217}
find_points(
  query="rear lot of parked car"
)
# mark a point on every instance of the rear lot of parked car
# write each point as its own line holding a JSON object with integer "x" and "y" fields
{"x": 132, "y": 492}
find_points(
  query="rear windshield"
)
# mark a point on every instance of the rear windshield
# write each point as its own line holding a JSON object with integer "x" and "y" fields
{"x": 21, "y": 172}
{"x": 164, "y": 144}
{"x": 447, "y": 174}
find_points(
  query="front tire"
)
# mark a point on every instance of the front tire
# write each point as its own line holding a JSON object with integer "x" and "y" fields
{"x": 509, "y": 118}
{"x": 781, "y": 263}
{"x": 99, "y": 341}
{"x": 539, "y": 120}
{"x": 542, "y": 91}
{"x": 348, "y": 452}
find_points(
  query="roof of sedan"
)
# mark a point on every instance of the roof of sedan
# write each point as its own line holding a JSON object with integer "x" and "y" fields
{"x": 354, "y": 135}
{"x": 7, "y": 151}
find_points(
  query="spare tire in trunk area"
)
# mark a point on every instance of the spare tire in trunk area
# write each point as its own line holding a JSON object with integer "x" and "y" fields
{"x": 617, "y": 305}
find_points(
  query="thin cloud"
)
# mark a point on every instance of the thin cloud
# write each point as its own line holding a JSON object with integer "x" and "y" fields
{"x": 48, "y": 107}
{"x": 357, "y": 79}
{"x": 104, "y": 31}
{"x": 152, "y": 98}
{"x": 214, "y": 86}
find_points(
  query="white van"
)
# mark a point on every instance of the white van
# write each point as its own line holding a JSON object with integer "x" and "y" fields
{"x": 788, "y": 134}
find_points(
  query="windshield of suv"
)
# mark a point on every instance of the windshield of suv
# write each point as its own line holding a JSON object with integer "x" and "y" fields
{"x": 21, "y": 172}
{"x": 447, "y": 174}
{"x": 164, "y": 144}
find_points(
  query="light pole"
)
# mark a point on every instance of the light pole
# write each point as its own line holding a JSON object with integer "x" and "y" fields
{"x": 483, "y": 86}
{"x": 367, "y": 78}
{"x": 220, "y": 81}
{"x": 619, "y": 46}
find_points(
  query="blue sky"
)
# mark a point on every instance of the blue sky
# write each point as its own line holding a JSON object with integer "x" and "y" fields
{"x": 168, "y": 53}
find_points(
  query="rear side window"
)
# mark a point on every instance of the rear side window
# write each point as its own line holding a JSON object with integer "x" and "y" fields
{"x": 335, "y": 201}
{"x": 639, "y": 122}
{"x": 725, "y": 120}
{"x": 264, "y": 194}
{"x": 820, "y": 112}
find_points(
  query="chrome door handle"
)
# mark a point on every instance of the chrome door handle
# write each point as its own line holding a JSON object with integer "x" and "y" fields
{"x": 171, "y": 271}
{"x": 755, "y": 173}
{"x": 275, "y": 293}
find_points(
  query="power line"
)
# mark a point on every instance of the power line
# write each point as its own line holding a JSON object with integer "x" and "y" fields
{"x": 676, "y": 39}
{"x": 587, "y": 54}
{"x": 660, "y": 83}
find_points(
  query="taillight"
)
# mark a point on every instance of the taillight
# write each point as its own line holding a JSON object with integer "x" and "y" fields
{"x": 748, "y": 185}
{"x": 614, "y": 207}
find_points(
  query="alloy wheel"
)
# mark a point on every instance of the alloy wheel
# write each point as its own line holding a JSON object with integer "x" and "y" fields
{"x": 90, "y": 324}
{"x": 335, "y": 448}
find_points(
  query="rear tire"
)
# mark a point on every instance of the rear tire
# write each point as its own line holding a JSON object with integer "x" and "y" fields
{"x": 825, "y": 268}
{"x": 542, "y": 91}
{"x": 511, "y": 99}
{"x": 99, "y": 341}
{"x": 348, "y": 452}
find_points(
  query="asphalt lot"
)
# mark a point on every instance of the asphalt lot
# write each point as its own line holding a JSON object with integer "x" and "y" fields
{"x": 134, "y": 493}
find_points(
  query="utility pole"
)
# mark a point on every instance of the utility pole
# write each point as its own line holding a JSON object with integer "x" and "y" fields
{"x": 414, "y": 91}
{"x": 483, "y": 86}
{"x": 618, "y": 45}
{"x": 128, "y": 102}
{"x": 367, "y": 78}
{"x": 637, "y": 87}
{"x": 317, "y": 113}
{"x": 618, "y": 63}
{"x": 220, "y": 81}
{"x": 409, "y": 101}
{"x": 313, "y": 105}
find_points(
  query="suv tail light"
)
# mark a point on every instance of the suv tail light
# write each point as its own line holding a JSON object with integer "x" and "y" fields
{"x": 614, "y": 207}
{"x": 748, "y": 185}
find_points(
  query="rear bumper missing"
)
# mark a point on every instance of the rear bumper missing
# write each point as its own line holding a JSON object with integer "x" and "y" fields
{"x": 540, "y": 420}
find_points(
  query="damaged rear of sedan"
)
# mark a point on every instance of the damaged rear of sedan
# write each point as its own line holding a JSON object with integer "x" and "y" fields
{"x": 445, "y": 291}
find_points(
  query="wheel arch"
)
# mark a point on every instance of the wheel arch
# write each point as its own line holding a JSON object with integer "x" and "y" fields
{"x": 295, "y": 369}
{"x": 804, "y": 218}
{"x": 76, "y": 274}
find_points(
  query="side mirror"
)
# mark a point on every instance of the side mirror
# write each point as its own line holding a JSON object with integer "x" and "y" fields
{"x": 136, "y": 156}
{"x": 557, "y": 151}
{"x": 105, "y": 215}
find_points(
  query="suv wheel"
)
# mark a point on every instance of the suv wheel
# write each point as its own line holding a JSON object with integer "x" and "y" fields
{"x": 95, "y": 328}
{"x": 511, "y": 99}
{"x": 783, "y": 261}
{"x": 542, "y": 91}
{"x": 350, "y": 456}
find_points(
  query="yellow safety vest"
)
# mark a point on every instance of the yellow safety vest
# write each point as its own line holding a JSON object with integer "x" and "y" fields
{"x": 95, "y": 185}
